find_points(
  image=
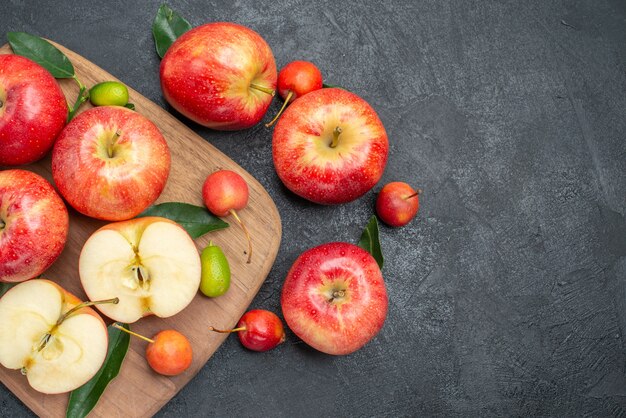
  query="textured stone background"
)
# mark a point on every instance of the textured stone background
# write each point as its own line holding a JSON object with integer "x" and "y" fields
{"x": 508, "y": 292}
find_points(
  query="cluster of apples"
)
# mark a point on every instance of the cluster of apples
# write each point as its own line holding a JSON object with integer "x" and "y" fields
{"x": 111, "y": 163}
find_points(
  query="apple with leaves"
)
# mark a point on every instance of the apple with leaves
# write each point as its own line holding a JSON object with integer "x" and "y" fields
{"x": 33, "y": 110}
{"x": 220, "y": 75}
{"x": 334, "y": 297}
{"x": 329, "y": 146}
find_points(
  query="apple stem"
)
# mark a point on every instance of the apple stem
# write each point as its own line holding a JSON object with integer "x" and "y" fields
{"x": 2, "y": 224}
{"x": 245, "y": 230}
{"x": 227, "y": 331}
{"x": 267, "y": 125}
{"x": 417, "y": 192}
{"x": 263, "y": 89}
{"x": 121, "y": 328}
{"x": 335, "y": 140}
{"x": 112, "y": 143}
{"x": 1, "y": 103}
{"x": 82, "y": 305}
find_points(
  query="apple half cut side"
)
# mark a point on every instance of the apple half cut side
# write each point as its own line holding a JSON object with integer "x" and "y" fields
{"x": 56, "y": 352}
{"x": 151, "y": 264}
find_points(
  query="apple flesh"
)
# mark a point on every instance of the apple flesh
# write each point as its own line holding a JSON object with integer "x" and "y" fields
{"x": 33, "y": 110}
{"x": 110, "y": 163}
{"x": 55, "y": 357}
{"x": 151, "y": 264}
{"x": 329, "y": 146}
{"x": 334, "y": 298}
{"x": 220, "y": 75}
{"x": 33, "y": 225}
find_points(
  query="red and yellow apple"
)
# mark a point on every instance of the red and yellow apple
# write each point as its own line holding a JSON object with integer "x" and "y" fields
{"x": 57, "y": 348}
{"x": 151, "y": 264}
{"x": 169, "y": 353}
{"x": 110, "y": 163}
{"x": 33, "y": 225}
{"x": 334, "y": 298}
{"x": 33, "y": 110}
{"x": 397, "y": 203}
{"x": 220, "y": 75}
{"x": 329, "y": 146}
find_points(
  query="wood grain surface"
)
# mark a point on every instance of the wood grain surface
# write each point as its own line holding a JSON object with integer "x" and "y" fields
{"x": 138, "y": 391}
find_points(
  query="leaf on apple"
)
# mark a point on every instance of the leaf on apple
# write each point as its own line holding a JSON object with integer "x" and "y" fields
{"x": 167, "y": 27}
{"x": 196, "y": 220}
{"x": 42, "y": 52}
{"x": 130, "y": 106}
{"x": 370, "y": 241}
{"x": 83, "y": 399}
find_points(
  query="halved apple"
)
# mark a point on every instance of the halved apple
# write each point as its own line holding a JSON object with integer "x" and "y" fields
{"x": 56, "y": 347}
{"x": 151, "y": 264}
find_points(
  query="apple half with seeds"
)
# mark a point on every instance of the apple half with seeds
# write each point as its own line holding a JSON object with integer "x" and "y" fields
{"x": 47, "y": 333}
{"x": 151, "y": 264}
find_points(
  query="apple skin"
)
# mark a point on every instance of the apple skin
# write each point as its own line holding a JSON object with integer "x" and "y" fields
{"x": 263, "y": 330}
{"x": 397, "y": 203}
{"x": 110, "y": 188}
{"x": 308, "y": 165}
{"x": 334, "y": 298}
{"x": 32, "y": 113}
{"x": 33, "y": 225}
{"x": 207, "y": 72}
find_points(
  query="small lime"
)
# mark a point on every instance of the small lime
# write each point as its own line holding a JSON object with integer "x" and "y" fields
{"x": 109, "y": 93}
{"x": 215, "y": 279}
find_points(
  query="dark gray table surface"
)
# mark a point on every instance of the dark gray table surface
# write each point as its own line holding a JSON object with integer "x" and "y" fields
{"x": 508, "y": 291}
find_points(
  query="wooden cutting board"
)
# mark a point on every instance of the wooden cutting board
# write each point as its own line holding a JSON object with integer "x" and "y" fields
{"x": 138, "y": 391}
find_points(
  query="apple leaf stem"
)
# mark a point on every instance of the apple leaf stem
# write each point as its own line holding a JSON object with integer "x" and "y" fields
{"x": 417, "y": 193}
{"x": 134, "y": 334}
{"x": 83, "y": 96}
{"x": 280, "y": 112}
{"x": 245, "y": 230}
{"x": 336, "y": 134}
{"x": 82, "y": 305}
{"x": 263, "y": 89}
{"x": 227, "y": 331}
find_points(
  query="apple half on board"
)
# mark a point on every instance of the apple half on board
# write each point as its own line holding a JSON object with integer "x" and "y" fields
{"x": 151, "y": 264}
{"x": 56, "y": 349}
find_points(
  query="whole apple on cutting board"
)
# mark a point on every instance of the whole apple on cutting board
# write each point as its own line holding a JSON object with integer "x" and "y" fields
{"x": 33, "y": 110}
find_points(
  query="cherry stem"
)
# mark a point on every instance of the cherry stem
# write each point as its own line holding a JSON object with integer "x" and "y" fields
{"x": 112, "y": 143}
{"x": 267, "y": 125}
{"x": 227, "y": 331}
{"x": 127, "y": 331}
{"x": 417, "y": 192}
{"x": 263, "y": 89}
{"x": 335, "y": 140}
{"x": 82, "y": 305}
{"x": 245, "y": 230}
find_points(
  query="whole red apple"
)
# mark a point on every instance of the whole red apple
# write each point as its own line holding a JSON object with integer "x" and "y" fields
{"x": 110, "y": 163}
{"x": 330, "y": 146}
{"x": 220, "y": 75}
{"x": 33, "y": 225}
{"x": 33, "y": 110}
{"x": 397, "y": 203}
{"x": 334, "y": 298}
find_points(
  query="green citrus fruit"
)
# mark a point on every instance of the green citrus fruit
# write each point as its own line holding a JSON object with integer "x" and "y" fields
{"x": 109, "y": 93}
{"x": 215, "y": 279}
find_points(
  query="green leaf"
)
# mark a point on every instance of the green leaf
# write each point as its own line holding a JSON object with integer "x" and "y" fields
{"x": 129, "y": 106}
{"x": 371, "y": 242}
{"x": 42, "y": 52}
{"x": 4, "y": 287}
{"x": 166, "y": 28}
{"x": 331, "y": 86}
{"x": 83, "y": 399}
{"x": 196, "y": 220}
